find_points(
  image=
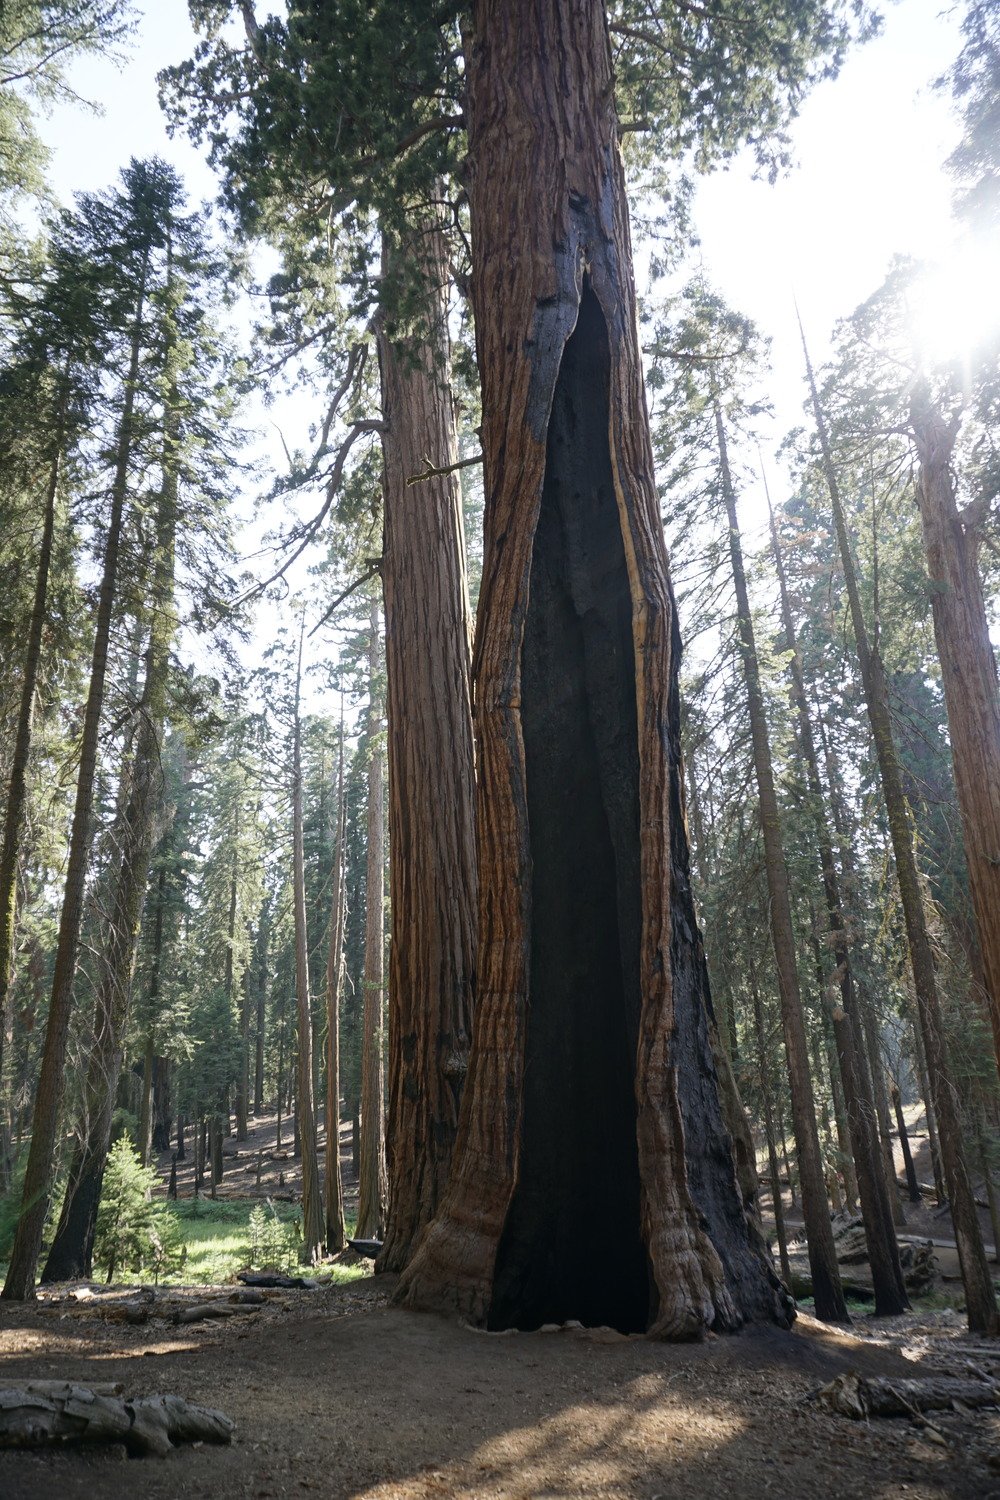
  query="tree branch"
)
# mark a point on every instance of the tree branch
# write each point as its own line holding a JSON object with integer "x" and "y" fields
{"x": 431, "y": 471}
{"x": 352, "y": 588}
{"x": 312, "y": 527}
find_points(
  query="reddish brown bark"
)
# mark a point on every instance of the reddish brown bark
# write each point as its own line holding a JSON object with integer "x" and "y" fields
{"x": 581, "y": 844}
{"x": 432, "y": 861}
{"x": 372, "y": 1165}
{"x": 968, "y": 675}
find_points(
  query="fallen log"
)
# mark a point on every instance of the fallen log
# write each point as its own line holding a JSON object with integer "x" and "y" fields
{"x": 861, "y": 1396}
{"x": 48, "y": 1412}
{"x": 204, "y": 1310}
{"x": 277, "y": 1278}
{"x": 370, "y": 1249}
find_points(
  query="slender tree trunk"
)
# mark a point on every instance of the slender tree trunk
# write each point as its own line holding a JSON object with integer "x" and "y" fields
{"x": 432, "y": 857}
{"x": 982, "y": 1151}
{"x": 149, "y": 1050}
{"x": 242, "y": 1102}
{"x": 17, "y": 786}
{"x": 313, "y": 1235}
{"x": 372, "y": 1166}
{"x": 71, "y": 1254}
{"x": 844, "y": 1145}
{"x": 881, "y": 1097}
{"x": 51, "y": 1081}
{"x": 571, "y": 1114}
{"x": 877, "y": 1196}
{"x": 968, "y": 674}
{"x": 912, "y": 1185}
{"x": 162, "y": 1080}
{"x": 258, "y": 1076}
{"x": 764, "y": 1066}
{"x": 980, "y": 1299}
{"x": 830, "y": 1304}
{"x": 281, "y": 1071}
{"x": 920, "y": 1065}
{"x": 334, "y": 1195}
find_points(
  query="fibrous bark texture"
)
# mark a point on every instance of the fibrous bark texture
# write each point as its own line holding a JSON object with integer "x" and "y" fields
{"x": 592, "y": 1090}
{"x": 432, "y": 859}
{"x": 371, "y": 1164}
{"x": 968, "y": 675}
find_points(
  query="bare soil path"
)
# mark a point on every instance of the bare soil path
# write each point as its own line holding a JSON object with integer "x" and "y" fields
{"x": 341, "y": 1394}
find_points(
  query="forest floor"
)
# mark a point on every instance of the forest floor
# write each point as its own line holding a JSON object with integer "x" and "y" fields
{"x": 337, "y": 1392}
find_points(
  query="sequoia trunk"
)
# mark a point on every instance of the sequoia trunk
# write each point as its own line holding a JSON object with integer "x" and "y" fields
{"x": 968, "y": 676}
{"x": 371, "y": 1165}
{"x": 432, "y": 863}
{"x": 593, "y": 1177}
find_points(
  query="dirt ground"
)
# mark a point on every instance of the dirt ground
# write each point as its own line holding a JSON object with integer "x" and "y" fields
{"x": 338, "y": 1392}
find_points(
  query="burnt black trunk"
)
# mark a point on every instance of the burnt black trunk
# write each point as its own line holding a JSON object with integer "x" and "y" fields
{"x": 71, "y": 1257}
{"x": 572, "y": 1244}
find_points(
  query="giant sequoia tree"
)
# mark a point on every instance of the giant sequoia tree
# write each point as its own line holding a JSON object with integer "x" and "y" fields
{"x": 592, "y": 1098}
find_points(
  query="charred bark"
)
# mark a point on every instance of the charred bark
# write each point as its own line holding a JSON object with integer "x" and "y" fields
{"x": 584, "y": 620}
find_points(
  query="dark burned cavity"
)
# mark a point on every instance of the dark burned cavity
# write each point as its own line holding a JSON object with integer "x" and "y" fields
{"x": 571, "y": 1246}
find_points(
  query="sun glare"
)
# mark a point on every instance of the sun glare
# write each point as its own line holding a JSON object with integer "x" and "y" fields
{"x": 955, "y": 305}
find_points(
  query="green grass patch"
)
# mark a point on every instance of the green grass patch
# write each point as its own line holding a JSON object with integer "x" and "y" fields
{"x": 217, "y": 1237}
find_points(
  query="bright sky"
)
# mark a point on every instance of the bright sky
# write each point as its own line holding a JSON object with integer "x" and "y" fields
{"x": 869, "y": 181}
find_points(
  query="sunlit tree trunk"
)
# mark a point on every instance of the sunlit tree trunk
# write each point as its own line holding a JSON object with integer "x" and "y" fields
{"x": 980, "y": 1299}
{"x": 592, "y": 1097}
{"x": 968, "y": 674}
